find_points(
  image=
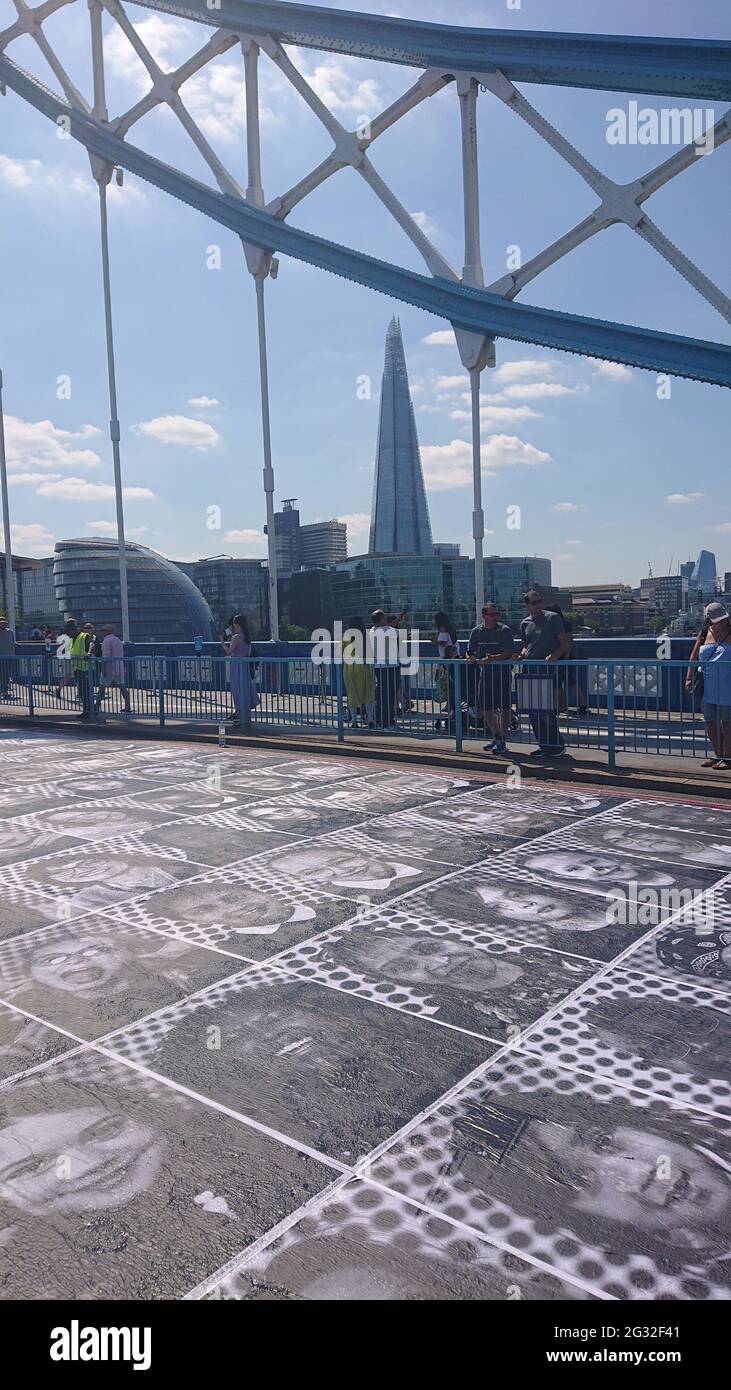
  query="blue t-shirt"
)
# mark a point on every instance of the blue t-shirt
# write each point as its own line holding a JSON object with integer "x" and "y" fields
{"x": 716, "y": 659}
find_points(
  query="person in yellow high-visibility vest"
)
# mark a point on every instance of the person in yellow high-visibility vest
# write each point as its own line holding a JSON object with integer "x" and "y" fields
{"x": 80, "y": 645}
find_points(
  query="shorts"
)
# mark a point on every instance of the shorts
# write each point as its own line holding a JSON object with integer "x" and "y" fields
{"x": 716, "y": 713}
{"x": 494, "y": 688}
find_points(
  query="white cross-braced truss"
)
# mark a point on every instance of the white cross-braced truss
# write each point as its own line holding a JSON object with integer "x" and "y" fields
{"x": 618, "y": 203}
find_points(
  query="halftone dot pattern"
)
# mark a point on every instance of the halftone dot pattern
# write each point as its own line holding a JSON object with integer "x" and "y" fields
{"x": 573, "y": 1038}
{"x": 312, "y": 960}
{"x": 676, "y": 815}
{"x": 288, "y": 894}
{"x": 699, "y": 933}
{"x": 141, "y": 1041}
{"x": 555, "y": 802}
{"x": 689, "y": 849}
{"x": 391, "y": 788}
{"x": 383, "y": 1219}
{"x": 421, "y": 1166}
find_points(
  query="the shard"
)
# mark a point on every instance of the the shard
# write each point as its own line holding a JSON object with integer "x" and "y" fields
{"x": 399, "y": 515}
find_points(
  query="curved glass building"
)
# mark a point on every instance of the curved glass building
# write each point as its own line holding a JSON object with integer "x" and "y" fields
{"x": 164, "y": 604}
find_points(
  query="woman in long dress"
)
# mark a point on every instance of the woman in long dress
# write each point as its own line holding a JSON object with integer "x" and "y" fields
{"x": 360, "y": 685}
{"x": 243, "y": 685}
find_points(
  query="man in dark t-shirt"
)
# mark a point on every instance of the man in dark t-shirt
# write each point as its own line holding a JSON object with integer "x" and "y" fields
{"x": 490, "y": 650}
{"x": 545, "y": 641}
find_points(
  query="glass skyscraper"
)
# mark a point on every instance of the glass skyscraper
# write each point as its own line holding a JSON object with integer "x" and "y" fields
{"x": 399, "y": 514}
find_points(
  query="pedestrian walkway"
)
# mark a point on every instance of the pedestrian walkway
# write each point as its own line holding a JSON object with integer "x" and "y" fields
{"x": 279, "y": 1026}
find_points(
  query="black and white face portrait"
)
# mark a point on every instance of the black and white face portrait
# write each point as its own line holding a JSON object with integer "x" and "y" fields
{"x": 86, "y": 1158}
{"x": 664, "y": 844}
{"x": 711, "y": 821}
{"x": 348, "y": 871}
{"x": 683, "y": 1036}
{"x": 616, "y": 1176}
{"x": 512, "y": 903}
{"x": 81, "y": 964}
{"x": 639, "y": 1200}
{"x": 593, "y": 868}
{"x": 421, "y": 959}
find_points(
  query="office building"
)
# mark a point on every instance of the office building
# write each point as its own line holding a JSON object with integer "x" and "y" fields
{"x": 313, "y": 545}
{"x": 399, "y": 514}
{"x": 164, "y": 604}
{"x": 446, "y": 550}
{"x": 287, "y": 537}
{"x": 322, "y": 543}
{"x": 230, "y": 586}
{"x": 703, "y": 577}
{"x": 665, "y": 594}
{"x": 422, "y": 584}
{"x": 35, "y": 602}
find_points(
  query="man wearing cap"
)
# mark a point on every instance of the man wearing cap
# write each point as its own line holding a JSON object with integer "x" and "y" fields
{"x": 715, "y": 659}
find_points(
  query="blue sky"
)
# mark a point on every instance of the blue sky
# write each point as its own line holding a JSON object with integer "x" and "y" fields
{"x": 590, "y": 456}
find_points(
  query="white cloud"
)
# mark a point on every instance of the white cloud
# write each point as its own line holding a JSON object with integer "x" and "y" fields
{"x": 451, "y": 383}
{"x": 31, "y": 538}
{"x": 182, "y": 430}
{"x": 724, "y": 526}
{"x": 507, "y": 450}
{"x": 537, "y": 390}
{"x": 573, "y": 542}
{"x": 450, "y": 465}
{"x": 566, "y": 507}
{"x": 32, "y": 444}
{"x": 498, "y": 414}
{"x": 336, "y": 82}
{"x": 80, "y": 490}
{"x": 33, "y": 176}
{"x": 681, "y": 498}
{"x": 615, "y": 371}
{"x": 203, "y": 402}
{"x": 564, "y": 558}
{"x": 15, "y": 479}
{"x": 425, "y": 223}
{"x": 358, "y": 523}
{"x": 247, "y": 536}
{"x": 527, "y": 366}
{"x": 109, "y": 528}
{"x": 165, "y": 39}
{"x": 444, "y": 337}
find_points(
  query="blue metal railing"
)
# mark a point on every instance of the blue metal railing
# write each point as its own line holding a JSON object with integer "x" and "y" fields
{"x": 613, "y": 707}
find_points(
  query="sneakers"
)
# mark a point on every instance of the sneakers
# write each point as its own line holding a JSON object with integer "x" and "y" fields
{"x": 498, "y": 745}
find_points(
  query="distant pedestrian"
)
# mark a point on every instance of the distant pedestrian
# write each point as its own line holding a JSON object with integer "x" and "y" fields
{"x": 243, "y": 686}
{"x": 358, "y": 675}
{"x": 490, "y": 650}
{"x": 544, "y": 641}
{"x": 402, "y": 623}
{"x": 715, "y": 659}
{"x": 568, "y": 676}
{"x": 7, "y": 656}
{"x": 112, "y": 674}
{"x": 63, "y": 655}
{"x": 80, "y": 647}
{"x": 383, "y": 639}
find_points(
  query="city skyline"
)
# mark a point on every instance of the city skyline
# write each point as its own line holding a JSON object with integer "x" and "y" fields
{"x": 557, "y": 429}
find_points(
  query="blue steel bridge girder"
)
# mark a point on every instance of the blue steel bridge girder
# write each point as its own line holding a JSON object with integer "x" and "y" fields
{"x": 691, "y": 68}
{"x": 473, "y": 309}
